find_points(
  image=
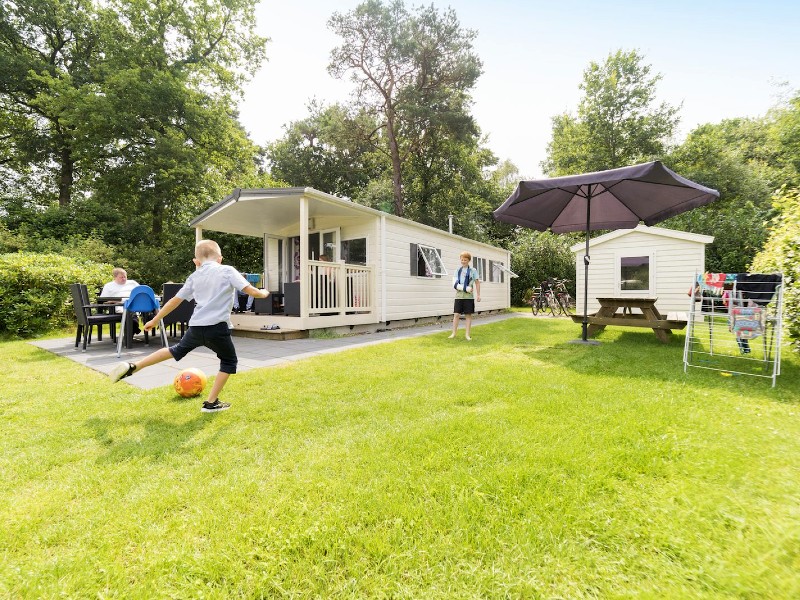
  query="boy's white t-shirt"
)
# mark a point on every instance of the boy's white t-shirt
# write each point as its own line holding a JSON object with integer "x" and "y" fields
{"x": 212, "y": 287}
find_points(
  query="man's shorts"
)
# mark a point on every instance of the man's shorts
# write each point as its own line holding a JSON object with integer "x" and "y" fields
{"x": 464, "y": 306}
{"x": 216, "y": 338}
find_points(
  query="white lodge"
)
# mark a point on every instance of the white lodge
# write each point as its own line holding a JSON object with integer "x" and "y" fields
{"x": 383, "y": 269}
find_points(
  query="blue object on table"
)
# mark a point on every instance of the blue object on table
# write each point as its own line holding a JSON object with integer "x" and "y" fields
{"x": 252, "y": 278}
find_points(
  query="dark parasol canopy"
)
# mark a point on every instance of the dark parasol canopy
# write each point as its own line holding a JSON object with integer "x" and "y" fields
{"x": 613, "y": 199}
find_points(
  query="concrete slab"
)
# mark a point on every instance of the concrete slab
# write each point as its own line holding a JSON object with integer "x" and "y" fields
{"x": 253, "y": 353}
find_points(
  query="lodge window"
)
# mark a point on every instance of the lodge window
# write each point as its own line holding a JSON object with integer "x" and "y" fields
{"x": 354, "y": 251}
{"x": 495, "y": 273}
{"x": 479, "y": 264}
{"x": 498, "y": 270}
{"x": 426, "y": 261}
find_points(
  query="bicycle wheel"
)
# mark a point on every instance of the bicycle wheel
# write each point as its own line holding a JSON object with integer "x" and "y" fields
{"x": 552, "y": 303}
{"x": 569, "y": 301}
{"x": 535, "y": 303}
{"x": 563, "y": 303}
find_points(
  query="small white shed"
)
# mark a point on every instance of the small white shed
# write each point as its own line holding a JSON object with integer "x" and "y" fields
{"x": 647, "y": 262}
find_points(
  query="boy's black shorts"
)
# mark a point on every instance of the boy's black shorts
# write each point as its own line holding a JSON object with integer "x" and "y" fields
{"x": 464, "y": 306}
{"x": 214, "y": 337}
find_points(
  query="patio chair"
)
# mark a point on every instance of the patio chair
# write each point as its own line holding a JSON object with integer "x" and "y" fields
{"x": 179, "y": 316}
{"x": 88, "y": 316}
{"x": 142, "y": 300}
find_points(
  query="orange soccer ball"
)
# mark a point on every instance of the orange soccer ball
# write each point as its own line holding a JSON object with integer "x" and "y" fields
{"x": 190, "y": 382}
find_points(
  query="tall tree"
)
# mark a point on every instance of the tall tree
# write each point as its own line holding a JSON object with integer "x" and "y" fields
{"x": 129, "y": 101}
{"x": 326, "y": 151}
{"x": 49, "y": 57}
{"x": 618, "y": 122}
{"x": 784, "y": 135}
{"x": 736, "y": 220}
{"x": 413, "y": 72}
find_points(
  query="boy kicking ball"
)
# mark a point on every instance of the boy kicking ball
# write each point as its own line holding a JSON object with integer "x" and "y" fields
{"x": 212, "y": 287}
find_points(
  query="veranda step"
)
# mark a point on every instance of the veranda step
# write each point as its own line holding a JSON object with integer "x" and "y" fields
{"x": 270, "y": 334}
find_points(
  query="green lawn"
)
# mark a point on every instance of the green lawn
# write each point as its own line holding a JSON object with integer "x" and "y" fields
{"x": 515, "y": 466}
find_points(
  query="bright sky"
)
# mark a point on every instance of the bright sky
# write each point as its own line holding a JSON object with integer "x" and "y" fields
{"x": 719, "y": 59}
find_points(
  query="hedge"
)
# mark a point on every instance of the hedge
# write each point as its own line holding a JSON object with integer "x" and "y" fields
{"x": 34, "y": 290}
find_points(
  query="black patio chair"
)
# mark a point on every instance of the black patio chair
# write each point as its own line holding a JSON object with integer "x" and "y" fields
{"x": 90, "y": 315}
{"x": 179, "y": 316}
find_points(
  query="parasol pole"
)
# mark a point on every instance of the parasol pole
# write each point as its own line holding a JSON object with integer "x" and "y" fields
{"x": 585, "y": 325}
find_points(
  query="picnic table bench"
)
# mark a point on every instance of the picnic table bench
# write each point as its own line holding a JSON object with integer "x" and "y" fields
{"x": 648, "y": 317}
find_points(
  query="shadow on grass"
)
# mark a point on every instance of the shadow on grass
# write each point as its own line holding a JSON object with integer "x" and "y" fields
{"x": 148, "y": 437}
{"x": 39, "y": 355}
{"x": 623, "y": 353}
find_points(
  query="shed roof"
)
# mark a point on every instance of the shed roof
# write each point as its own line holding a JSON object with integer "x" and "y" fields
{"x": 659, "y": 231}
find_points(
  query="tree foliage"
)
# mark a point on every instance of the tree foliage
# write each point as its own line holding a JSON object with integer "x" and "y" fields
{"x": 326, "y": 151}
{"x": 413, "y": 72}
{"x": 119, "y": 118}
{"x": 781, "y": 253}
{"x": 711, "y": 157}
{"x": 540, "y": 255}
{"x": 618, "y": 122}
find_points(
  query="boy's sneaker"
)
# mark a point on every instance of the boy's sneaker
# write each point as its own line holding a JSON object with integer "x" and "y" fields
{"x": 121, "y": 371}
{"x": 215, "y": 406}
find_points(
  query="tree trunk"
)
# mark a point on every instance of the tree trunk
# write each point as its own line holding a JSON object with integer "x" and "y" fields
{"x": 66, "y": 177}
{"x": 397, "y": 179}
{"x": 158, "y": 219}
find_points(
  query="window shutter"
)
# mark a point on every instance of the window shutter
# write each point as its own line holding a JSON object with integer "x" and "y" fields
{"x": 414, "y": 259}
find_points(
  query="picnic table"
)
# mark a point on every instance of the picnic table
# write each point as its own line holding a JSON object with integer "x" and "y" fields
{"x": 649, "y": 316}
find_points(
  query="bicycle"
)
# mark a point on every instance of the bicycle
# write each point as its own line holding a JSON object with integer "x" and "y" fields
{"x": 542, "y": 299}
{"x": 565, "y": 301}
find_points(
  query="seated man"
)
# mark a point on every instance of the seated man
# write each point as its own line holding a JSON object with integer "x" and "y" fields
{"x": 121, "y": 287}
{"x": 242, "y": 302}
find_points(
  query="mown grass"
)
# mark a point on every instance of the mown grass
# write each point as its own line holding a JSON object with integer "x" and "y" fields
{"x": 517, "y": 465}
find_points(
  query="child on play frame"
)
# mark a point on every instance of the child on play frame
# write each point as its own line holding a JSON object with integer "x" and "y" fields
{"x": 465, "y": 283}
{"x": 213, "y": 287}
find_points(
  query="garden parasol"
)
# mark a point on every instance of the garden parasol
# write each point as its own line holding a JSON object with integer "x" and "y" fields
{"x": 614, "y": 199}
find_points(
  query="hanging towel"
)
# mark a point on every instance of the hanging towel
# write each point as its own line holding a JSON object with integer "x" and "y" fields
{"x": 747, "y": 322}
{"x": 759, "y": 287}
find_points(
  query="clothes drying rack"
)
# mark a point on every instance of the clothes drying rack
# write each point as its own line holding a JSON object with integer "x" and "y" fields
{"x": 735, "y": 323}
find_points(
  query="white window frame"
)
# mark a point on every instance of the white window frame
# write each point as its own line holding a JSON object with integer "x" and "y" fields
{"x": 435, "y": 256}
{"x": 651, "y": 284}
{"x": 498, "y": 265}
{"x": 479, "y": 264}
{"x": 358, "y": 237}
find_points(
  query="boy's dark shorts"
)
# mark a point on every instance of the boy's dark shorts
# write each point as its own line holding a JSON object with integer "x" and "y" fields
{"x": 214, "y": 337}
{"x": 464, "y": 306}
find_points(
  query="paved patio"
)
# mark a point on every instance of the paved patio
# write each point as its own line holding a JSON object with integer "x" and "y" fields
{"x": 252, "y": 353}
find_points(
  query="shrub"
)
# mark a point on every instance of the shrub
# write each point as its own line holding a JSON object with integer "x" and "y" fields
{"x": 34, "y": 290}
{"x": 782, "y": 253}
{"x": 540, "y": 255}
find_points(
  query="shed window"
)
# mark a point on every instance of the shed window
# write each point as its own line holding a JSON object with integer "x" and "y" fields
{"x": 634, "y": 273}
{"x": 426, "y": 261}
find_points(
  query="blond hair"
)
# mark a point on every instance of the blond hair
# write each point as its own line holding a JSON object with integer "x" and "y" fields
{"x": 118, "y": 271}
{"x": 465, "y": 254}
{"x": 207, "y": 250}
